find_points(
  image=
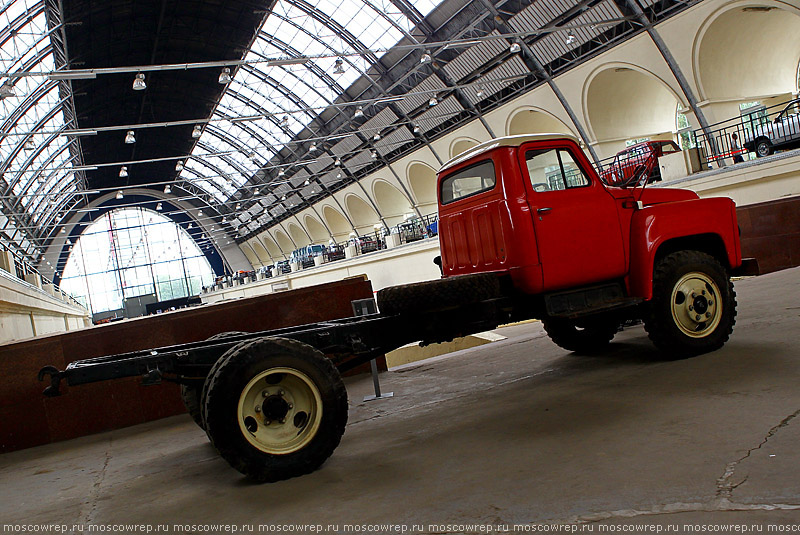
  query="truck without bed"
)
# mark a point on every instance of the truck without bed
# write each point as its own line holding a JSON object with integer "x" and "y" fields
{"x": 527, "y": 230}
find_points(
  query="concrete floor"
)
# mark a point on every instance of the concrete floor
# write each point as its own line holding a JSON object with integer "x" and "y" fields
{"x": 515, "y": 432}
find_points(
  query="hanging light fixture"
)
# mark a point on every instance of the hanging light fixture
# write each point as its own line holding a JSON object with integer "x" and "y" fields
{"x": 197, "y": 131}
{"x": 179, "y": 166}
{"x": 138, "y": 82}
{"x": 29, "y": 145}
{"x": 426, "y": 58}
{"x": 337, "y": 162}
{"x": 433, "y": 101}
{"x": 338, "y": 66}
{"x": 238, "y": 206}
{"x": 190, "y": 227}
{"x": 123, "y": 172}
{"x": 570, "y": 37}
{"x": 199, "y": 213}
{"x": 417, "y": 129}
{"x": 376, "y": 137}
{"x": 119, "y": 195}
{"x": 63, "y": 230}
{"x": 373, "y": 155}
{"x": 514, "y": 48}
{"x": 480, "y": 93}
{"x": 158, "y": 206}
{"x": 225, "y": 76}
{"x": 281, "y": 173}
{"x": 224, "y": 219}
{"x": 338, "y": 175}
{"x": 285, "y": 120}
{"x": 255, "y": 191}
{"x": 283, "y": 198}
{"x": 129, "y": 137}
{"x": 313, "y": 147}
{"x": 167, "y": 189}
{"x": 359, "y": 113}
{"x": 307, "y": 182}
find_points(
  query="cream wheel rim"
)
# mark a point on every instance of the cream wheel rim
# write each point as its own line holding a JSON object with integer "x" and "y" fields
{"x": 280, "y": 411}
{"x": 695, "y": 305}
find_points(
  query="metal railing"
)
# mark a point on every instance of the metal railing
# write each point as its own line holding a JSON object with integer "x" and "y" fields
{"x": 753, "y": 134}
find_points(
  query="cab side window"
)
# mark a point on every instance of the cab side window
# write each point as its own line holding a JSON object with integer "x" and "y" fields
{"x": 553, "y": 170}
{"x": 470, "y": 181}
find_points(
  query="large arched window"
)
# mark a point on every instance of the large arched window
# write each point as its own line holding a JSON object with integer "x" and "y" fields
{"x": 133, "y": 252}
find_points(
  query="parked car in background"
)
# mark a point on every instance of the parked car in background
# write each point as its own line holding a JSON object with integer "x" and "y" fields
{"x": 782, "y": 132}
{"x": 637, "y": 161}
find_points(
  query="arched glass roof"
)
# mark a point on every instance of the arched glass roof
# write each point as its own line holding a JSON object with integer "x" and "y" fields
{"x": 288, "y": 128}
{"x": 283, "y": 100}
{"x": 36, "y": 160}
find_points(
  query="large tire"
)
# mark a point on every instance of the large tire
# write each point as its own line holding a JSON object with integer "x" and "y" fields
{"x": 763, "y": 147}
{"x": 275, "y": 408}
{"x": 588, "y": 337}
{"x": 192, "y": 395}
{"x": 693, "y": 309}
{"x": 438, "y": 294}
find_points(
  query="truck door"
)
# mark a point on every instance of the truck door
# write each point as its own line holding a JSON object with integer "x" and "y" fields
{"x": 577, "y": 226}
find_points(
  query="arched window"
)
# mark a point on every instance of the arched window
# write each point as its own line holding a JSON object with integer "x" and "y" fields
{"x": 133, "y": 252}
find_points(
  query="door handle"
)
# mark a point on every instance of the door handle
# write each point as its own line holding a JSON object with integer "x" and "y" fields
{"x": 544, "y": 210}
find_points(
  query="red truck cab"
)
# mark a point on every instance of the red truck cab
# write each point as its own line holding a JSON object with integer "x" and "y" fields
{"x": 531, "y": 210}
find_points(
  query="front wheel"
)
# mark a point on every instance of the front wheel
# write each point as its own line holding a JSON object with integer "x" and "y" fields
{"x": 586, "y": 337}
{"x": 275, "y": 408}
{"x": 693, "y": 309}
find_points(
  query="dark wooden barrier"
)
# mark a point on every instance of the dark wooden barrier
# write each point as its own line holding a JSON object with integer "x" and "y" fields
{"x": 28, "y": 419}
{"x": 771, "y": 233}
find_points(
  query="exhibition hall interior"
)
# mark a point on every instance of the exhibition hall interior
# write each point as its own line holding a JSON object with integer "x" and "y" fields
{"x": 200, "y": 199}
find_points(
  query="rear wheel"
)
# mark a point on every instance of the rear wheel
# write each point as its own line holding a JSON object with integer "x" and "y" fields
{"x": 693, "y": 309}
{"x": 192, "y": 394}
{"x": 275, "y": 408}
{"x": 763, "y": 147}
{"x": 581, "y": 337}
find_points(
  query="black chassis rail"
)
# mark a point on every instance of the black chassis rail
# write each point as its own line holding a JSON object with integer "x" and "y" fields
{"x": 348, "y": 342}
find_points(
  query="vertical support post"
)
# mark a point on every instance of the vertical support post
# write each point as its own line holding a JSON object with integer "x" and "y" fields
{"x": 364, "y": 307}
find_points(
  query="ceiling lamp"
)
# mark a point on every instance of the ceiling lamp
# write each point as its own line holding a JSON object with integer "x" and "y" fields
{"x": 63, "y": 230}
{"x": 179, "y": 166}
{"x": 119, "y": 195}
{"x": 197, "y": 131}
{"x": 285, "y": 120}
{"x": 433, "y": 101}
{"x": 417, "y": 129}
{"x": 225, "y": 76}
{"x": 480, "y": 93}
{"x": 138, "y": 82}
{"x": 190, "y": 227}
{"x": 376, "y": 137}
{"x": 6, "y": 90}
{"x": 283, "y": 198}
{"x": 129, "y": 137}
{"x": 224, "y": 219}
{"x": 570, "y": 37}
{"x": 338, "y": 175}
{"x": 167, "y": 189}
{"x": 307, "y": 182}
{"x": 199, "y": 213}
{"x": 313, "y": 148}
{"x": 281, "y": 173}
{"x": 337, "y": 162}
{"x": 255, "y": 191}
{"x": 338, "y": 66}
{"x": 238, "y": 206}
{"x": 359, "y": 113}
{"x": 158, "y": 206}
{"x": 29, "y": 145}
{"x": 514, "y": 48}
{"x": 373, "y": 155}
{"x": 123, "y": 172}
{"x": 426, "y": 58}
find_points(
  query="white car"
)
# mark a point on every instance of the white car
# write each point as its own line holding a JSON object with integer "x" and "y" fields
{"x": 782, "y": 132}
